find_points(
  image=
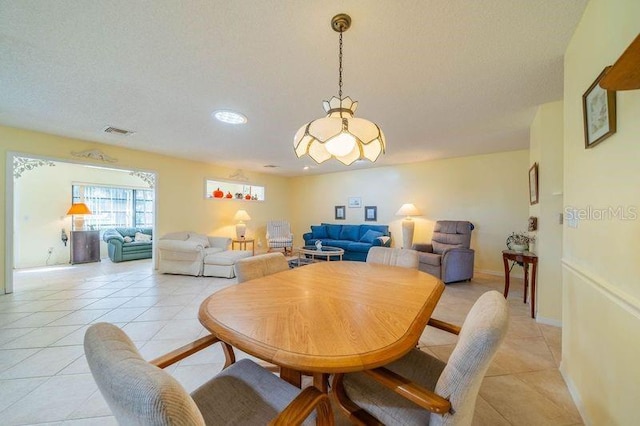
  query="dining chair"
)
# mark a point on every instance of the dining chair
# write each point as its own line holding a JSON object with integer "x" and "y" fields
{"x": 259, "y": 266}
{"x": 393, "y": 256}
{"x": 421, "y": 389}
{"x": 141, "y": 393}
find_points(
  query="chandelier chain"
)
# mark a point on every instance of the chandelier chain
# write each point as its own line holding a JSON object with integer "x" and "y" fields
{"x": 340, "y": 70}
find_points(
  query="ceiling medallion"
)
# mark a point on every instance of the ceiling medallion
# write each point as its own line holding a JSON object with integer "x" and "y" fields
{"x": 339, "y": 135}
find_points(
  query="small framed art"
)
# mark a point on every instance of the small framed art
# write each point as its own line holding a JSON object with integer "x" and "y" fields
{"x": 340, "y": 213}
{"x": 599, "y": 112}
{"x": 355, "y": 202}
{"x": 370, "y": 213}
{"x": 533, "y": 184}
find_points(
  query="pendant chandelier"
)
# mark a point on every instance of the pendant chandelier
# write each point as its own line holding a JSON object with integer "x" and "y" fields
{"x": 339, "y": 135}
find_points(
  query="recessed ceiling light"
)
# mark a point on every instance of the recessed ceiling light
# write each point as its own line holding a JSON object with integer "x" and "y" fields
{"x": 230, "y": 117}
{"x": 305, "y": 168}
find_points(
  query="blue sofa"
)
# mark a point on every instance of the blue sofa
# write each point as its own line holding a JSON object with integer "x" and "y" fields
{"x": 123, "y": 246}
{"x": 356, "y": 240}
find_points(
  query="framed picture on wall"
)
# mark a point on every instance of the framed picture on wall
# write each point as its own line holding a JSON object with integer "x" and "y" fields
{"x": 340, "y": 213}
{"x": 533, "y": 184}
{"x": 599, "y": 112}
{"x": 355, "y": 202}
{"x": 370, "y": 213}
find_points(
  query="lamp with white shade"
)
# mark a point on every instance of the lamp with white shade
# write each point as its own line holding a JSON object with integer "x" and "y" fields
{"x": 241, "y": 228}
{"x": 78, "y": 210}
{"x": 408, "y": 225}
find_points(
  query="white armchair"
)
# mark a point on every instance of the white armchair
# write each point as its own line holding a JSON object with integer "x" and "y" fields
{"x": 183, "y": 252}
{"x": 279, "y": 235}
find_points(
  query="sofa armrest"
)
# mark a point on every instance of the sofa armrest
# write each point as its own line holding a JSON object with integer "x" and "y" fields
{"x": 307, "y": 236}
{"x": 182, "y": 246}
{"x": 219, "y": 242}
{"x": 426, "y": 248}
{"x": 111, "y": 235}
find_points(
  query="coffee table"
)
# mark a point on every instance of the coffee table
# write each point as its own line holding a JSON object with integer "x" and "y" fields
{"x": 324, "y": 253}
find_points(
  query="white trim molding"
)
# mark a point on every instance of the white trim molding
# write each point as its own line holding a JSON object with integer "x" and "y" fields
{"x": 619, "y": 297}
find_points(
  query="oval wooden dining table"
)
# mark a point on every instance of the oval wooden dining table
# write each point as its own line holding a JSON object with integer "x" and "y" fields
{"x": 327, "y": 317}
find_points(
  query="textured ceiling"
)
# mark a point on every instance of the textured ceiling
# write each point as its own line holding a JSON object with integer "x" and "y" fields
{"x": 441, "y": 78}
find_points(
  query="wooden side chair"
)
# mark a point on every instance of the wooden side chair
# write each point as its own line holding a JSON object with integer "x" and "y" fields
{"x": 262, "y": 265}
{"x": 421, "y": 389}
{"x": 393, "y": 257}
{"x": 141, "y": 393}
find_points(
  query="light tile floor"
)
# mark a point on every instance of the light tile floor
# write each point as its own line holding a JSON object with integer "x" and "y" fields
{"x": 44, "y": 377}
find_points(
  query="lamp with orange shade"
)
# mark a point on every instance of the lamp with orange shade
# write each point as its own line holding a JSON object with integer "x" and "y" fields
{"x": 78, "y": 210}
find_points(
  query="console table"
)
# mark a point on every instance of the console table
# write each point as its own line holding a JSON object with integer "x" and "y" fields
{"x": 526, "y": 258}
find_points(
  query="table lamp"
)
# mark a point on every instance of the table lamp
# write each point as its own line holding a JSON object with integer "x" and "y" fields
{"x": 408, "y": 225}
{"x": 241, "y": 227}
{"x": 78, "y": 210}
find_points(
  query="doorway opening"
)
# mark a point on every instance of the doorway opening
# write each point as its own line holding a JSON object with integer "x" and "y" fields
{"x": 40, "y": 226}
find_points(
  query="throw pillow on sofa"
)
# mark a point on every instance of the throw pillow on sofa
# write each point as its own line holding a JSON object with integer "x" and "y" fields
{"x": 142, "y": 237}
{"x": 370, "y": 236}
{"x": 319, "y": 232}
{"x": 127, "y": 239}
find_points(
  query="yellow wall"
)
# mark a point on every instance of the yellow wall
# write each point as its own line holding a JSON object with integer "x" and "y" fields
{"x": 546, "y": 149}
{"x": 180, "y": 186}
{"x": 601, "y": 302}
{"x": 488, "y": 190}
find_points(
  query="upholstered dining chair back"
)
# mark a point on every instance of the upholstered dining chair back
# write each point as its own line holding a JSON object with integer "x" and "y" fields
{"x": 259, "y": 266}
{"x": 394, "y": 257}
{"x": 243, "y": 393}
{"x": 458, "y": 381}
{"x": 482, "y": 333}
{"x": 137, "y": 392}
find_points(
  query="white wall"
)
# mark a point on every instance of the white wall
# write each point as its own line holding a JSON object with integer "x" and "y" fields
{"x": 546, "y": 149}
{"x": 601, "y": 271}
{"x": 488, "y": 190}
{"x": 43, "y": 196}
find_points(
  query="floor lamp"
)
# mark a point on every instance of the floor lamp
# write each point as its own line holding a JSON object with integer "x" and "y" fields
{"x": 408, "y": 224}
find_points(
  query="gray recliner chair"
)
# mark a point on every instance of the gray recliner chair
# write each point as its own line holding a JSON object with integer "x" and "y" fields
{"x": 449, "y": 256}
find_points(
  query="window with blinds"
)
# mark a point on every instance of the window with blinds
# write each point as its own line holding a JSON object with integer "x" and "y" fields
{"x": 115, "y": 207}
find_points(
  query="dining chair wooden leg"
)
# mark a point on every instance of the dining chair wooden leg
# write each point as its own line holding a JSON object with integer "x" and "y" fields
{"x": 229, "y": 355}
{"x": 356, "y": 414}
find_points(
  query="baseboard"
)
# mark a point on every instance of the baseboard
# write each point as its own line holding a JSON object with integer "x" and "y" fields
{"x": 548, "y": 321}
{"x": 489, "y": 272}
{"x": 573, "y": 390}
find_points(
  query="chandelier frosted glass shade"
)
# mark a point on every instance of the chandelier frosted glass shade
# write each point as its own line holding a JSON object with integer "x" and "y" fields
{"x": 340, "y": 135}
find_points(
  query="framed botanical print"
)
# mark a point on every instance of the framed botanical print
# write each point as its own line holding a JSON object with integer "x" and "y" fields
{"x": 340, "y": 212}
{"x": 370, "y": 213}
{"x": 599, "y": 112}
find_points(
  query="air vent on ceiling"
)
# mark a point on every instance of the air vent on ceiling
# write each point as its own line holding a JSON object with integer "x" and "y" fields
{"x": 116, "y": 131}
{"x": 271, "y": 166}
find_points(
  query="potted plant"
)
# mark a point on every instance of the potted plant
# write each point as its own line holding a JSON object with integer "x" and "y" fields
{"x": 519, "y": 241}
